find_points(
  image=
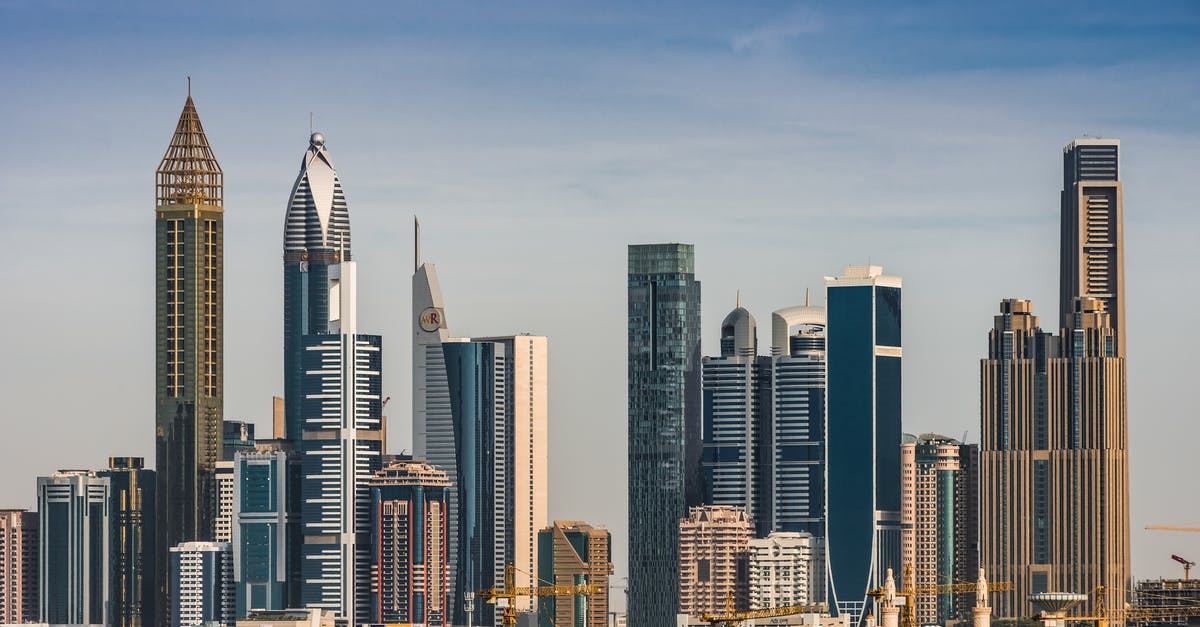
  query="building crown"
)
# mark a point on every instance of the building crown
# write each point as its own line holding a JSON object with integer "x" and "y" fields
{"x": 189, "y": 173}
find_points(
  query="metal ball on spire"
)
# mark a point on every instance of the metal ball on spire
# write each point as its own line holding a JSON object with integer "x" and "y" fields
{"x": 317, "y": 140}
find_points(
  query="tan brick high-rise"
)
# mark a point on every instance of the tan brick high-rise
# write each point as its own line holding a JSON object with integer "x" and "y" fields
{"x": 1054, "y": 466}
{"x": 18, "y": 566}
{"x": 714, "y": 552}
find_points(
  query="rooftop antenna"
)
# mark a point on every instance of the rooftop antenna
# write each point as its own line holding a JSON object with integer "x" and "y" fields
{"x": 310, "y": 122}
{"x": 806, "y": 297}
{"x": 416, "y": 243}
{"x": 738, "y": 302}
{"x": 189, "y": 87}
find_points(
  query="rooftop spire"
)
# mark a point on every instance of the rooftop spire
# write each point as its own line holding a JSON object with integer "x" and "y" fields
{"x": 189, "y": 172}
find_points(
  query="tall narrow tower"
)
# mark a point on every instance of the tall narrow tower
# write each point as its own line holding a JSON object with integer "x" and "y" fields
{"x": 316, "y": 236}
{"x": 189, "y": 328}
{"x": 664, "y": 421}
{"x": 1092, "y": 252}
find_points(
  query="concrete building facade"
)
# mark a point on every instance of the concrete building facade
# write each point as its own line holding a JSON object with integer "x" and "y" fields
{"x": 664, "y": 421}
{"x": 570, "y": 553}
{"x": 409, "y": 531}
{"x": 714, "y": 559}
{"x": 201, "y": 580}
{"x": 18, "y": 566}
{"x": 1053, "y": 460}
{"x": 939, "y": 485}
{"x": 782, "y": 569}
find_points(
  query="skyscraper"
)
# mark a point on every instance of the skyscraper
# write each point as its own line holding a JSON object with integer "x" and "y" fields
{"x": 201, "y": 580}
{"x": 73, "y": 559}
{"x": 133, "y": 595}
{"x": 736, "y": 424}
{"x": 764, "y": 423}
{"x": 18, "y": 566}
{"x": 316, "y": 237}
{"x": 332, "y": 391}
{"x": 1092, "y": 252}
{"x": 1054, "y": 466}
{"x": 571, "y": 553}
{"x": 409, "y": 530}
{"x": 664, "y": 421}
{"x": 939, "y": 486}
{"x": 433, "y": 422}
{"x": 499, "y": 399}
{"x": 714, "y": 554}
{"x": 189, "y": 353}
{"x": 863, "y": 448}
{"x": 237, "y": 435}
{"x": 266, "y": 528}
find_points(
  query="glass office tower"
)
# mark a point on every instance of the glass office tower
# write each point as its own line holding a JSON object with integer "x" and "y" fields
{"x": 863, "y": 448}
{"x": 131, "y": 514}
{"x": 73, "y": 558}
{"x": 664, "y": 422}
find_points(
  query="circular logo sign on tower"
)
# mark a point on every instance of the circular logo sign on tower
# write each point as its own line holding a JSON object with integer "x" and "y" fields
{"x": 431, "y": 319}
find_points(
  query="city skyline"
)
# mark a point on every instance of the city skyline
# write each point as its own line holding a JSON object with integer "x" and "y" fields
{"x": 461, "y": 215}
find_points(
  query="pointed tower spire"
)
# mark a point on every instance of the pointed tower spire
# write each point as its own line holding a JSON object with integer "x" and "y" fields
{"x": 189, "y": 173}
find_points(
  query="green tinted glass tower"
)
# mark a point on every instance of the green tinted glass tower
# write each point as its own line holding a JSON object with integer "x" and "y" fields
{"x": 189, "y": 387}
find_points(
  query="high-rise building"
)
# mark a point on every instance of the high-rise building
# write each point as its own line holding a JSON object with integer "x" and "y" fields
{"x": 939, "y": 503}
{"x": 189, "y": 344}
{"x": 237, "y": 436}
{"x": 1092, "y": 251}
{"x": 714, "y": 559}
{"x": 201, "y": 580}
{"x": 266, "y": 527}
{"x": 409, "y": 531}
{"x": 223, "y": 524}
{"x": 863, "y": 353}
{"x": 665, "y": 407}
{"x": 18, "y": 566}
{"x": 133, "y": 595}
{"x": 332, "y": 391}
{"x": 316, "y": 238}
{"x": 571, "y": 553}
{"x": 764, "y": 421}
{"x": 433, "y": 420}
{"x": 781, "y": 569}
{"x": 499, "y": 399}
{"x": 736, "y": 419}
{"x": 1053, "y": 462}
{"x": 73, "y": 548}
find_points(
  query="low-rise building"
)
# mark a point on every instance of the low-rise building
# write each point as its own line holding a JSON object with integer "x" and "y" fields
{"x": 781, "y": 569}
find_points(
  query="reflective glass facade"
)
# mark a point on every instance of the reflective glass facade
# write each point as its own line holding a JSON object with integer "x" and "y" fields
{"x": 664, "y": 422}
{"x": 475, "y": 371}
{"x": 863, "y": 447}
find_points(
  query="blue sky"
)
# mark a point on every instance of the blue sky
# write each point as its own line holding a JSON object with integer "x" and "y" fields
{"x": 785, "y": 140}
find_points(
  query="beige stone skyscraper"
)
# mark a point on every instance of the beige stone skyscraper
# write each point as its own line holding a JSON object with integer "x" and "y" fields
{"x": 1054, "y": 468}
{"x": 1092, "y": 252}
{"x": 714, "y": 551}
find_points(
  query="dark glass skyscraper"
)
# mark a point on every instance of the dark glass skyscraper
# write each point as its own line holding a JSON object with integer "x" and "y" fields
{"x": 316, "y": 235}
{"x": 664, "y": 422}
{"x": 131, "y": 516}
{"x": 863, "y": 447}
{"x": 189, "y": 336}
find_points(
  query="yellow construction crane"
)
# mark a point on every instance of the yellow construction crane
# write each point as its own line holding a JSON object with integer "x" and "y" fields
{"x": 911, "y": 590}
{"x": 733, "y": 616}
{"x": 1172, "y": 528}
{"x": 507, "y": 597}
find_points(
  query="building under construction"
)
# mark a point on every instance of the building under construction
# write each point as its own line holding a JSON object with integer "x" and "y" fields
{"x": 1165, "y": 594}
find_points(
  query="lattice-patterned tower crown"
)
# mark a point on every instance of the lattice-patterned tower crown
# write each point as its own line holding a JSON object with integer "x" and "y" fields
{"x": 189, "y": 341}
{"x": 189, "y": 173}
